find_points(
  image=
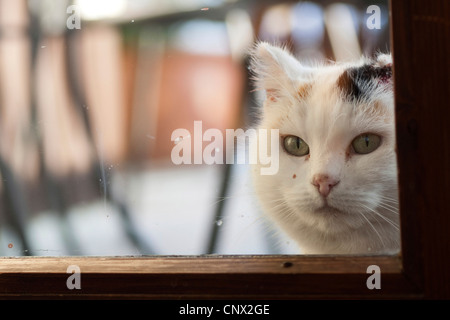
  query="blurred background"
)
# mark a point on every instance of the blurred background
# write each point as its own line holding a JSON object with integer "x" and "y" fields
{"x": 91, "y": 91}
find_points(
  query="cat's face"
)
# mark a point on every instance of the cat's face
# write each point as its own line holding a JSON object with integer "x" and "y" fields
{"x": 337, "y": 163}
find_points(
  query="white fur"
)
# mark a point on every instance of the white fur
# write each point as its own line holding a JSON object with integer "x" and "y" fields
{"x": 365, "y": 215}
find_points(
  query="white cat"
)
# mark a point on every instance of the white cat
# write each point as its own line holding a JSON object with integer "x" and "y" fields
{"x": 336, "y": 188}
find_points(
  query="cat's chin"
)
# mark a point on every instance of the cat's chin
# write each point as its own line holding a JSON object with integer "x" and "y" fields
{"x": 326, "y": 209}
{"x": 328, "y": 219}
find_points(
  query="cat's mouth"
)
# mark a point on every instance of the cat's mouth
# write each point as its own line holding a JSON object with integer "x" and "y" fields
{"x": 329, "y": 210}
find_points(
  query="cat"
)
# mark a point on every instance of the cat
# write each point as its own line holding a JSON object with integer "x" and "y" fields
{"x": 336, "y": 188}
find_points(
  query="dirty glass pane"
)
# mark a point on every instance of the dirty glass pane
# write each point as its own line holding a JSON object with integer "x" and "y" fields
{"x": 125, "y": 125}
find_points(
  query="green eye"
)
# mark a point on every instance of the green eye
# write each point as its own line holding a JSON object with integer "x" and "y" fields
{"x": 295, "y": 146}
{"x": 366, "y": 143}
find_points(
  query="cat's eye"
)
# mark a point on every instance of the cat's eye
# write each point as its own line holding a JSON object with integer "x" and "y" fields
{"x": 295, "y": 146}
{"x": 366, "y": 143}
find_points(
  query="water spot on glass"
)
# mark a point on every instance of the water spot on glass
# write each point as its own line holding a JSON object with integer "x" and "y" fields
{"x": 219, "y": 222}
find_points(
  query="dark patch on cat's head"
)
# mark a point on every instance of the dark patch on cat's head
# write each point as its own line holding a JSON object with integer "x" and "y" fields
{"x": 358, "y": 83}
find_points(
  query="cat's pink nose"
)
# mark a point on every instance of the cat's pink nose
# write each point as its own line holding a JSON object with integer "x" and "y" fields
{"x": 324, "y": 183}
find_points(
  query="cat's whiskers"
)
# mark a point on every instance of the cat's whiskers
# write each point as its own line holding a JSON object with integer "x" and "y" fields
{"x": 373, "y": 227}
{"x": 392, "y": 223}
{"x": 281, "y": 205}
{"x": 233, "y": 197}
{"x": 287, "y": 213}
{"x": 388, "y": 207}
{"x": 389, "y": 199}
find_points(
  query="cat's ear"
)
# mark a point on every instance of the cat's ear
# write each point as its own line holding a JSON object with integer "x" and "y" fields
{"x": 274, "y": 70}
{"x": 384, "y": 60}
{"x": 367, "y": 80}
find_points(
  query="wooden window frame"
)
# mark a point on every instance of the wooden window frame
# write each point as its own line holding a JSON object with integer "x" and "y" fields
{"x": 420, "y": 31}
